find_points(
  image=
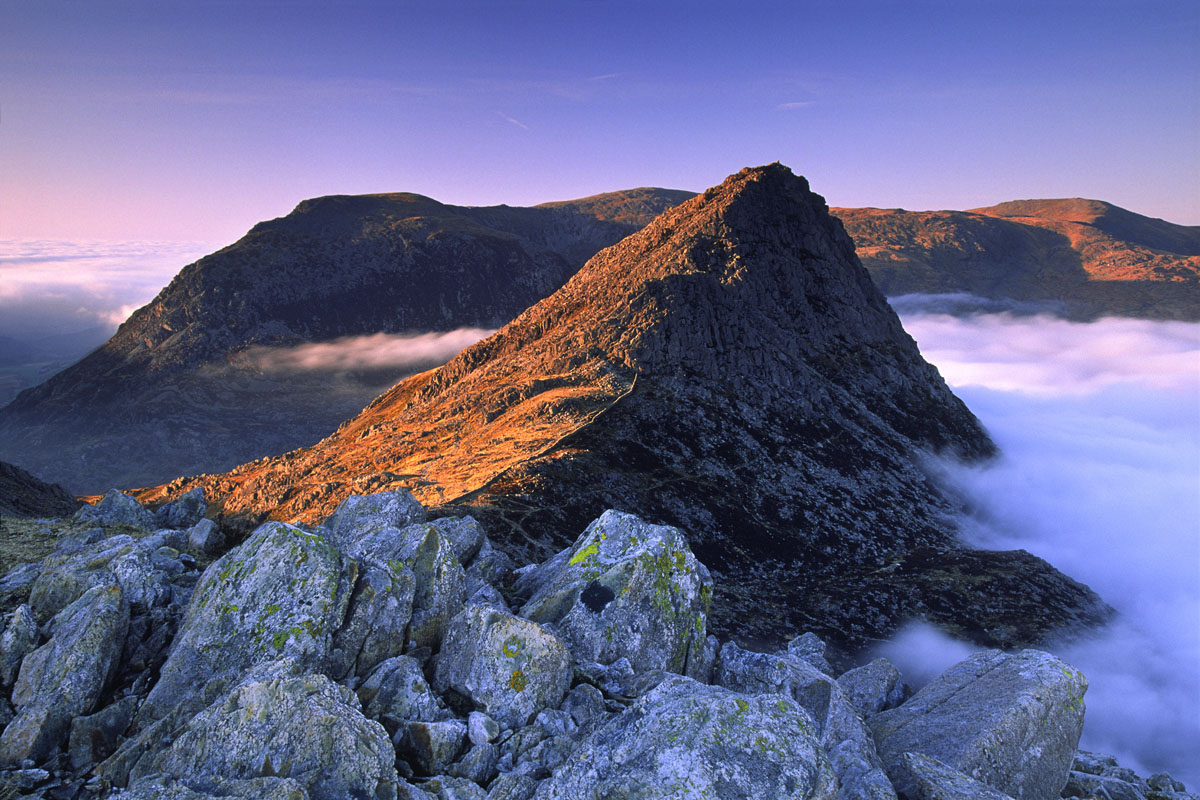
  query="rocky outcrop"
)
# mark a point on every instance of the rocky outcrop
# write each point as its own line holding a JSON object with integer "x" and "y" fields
{"x": 1084, "y": 258}
{"x": 186, "y": 386}
{"x": 497, "y": 708}
{"x": 730, "y": 371}
{"x": 65, "y": 677}
{"x": 1011, "y": 721}
{"x": 23, "y": 495}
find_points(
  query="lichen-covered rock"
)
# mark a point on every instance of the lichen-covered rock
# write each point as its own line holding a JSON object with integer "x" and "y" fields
{"x": 254, "y": 789}
{"x": 397, "y": 688}
{"x": 491, "y": 564}
{"x": 282, "y": 593}
{"x": 625, "y": 588}
{"x": 205, "y": 537}
{"x": 465, "y": 535}
{"x": 376, "y": 621}
{"x": 1102, "y": 787}
{"x": 1010, "y": 720}
{"x": 64, "y": 678}
{"x": 20, "y": 638}
{"x": 809, "y": 647}
{"x": 94, "y": 737}
{"x": 511, "y": 786}
{"x": 481, "y": 728}
{"x": 440, "y": 583}
{"x": 687, "y": 740}
{"x": 509, "y": 667}
{"x": 478, "y": 765}
{"x": 182, "y": 512}
{"x": 874, "y": 687}
{"x": 842, "y": 732}
{"x": 933, "y": 780}
{"x": 306, "y": 728}
{"x": 431, "y": 746}
{"x": 360, "y": 516}
{"x": 121, "y": 559}
{"x": 448, "y": 787}
{"x": 117, "y": 508}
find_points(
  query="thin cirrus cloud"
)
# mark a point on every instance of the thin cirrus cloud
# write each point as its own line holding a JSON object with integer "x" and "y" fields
{"x": 794, "y": 105}
{"x": 516, "y": 122}
{"x": 1099, "y": 473}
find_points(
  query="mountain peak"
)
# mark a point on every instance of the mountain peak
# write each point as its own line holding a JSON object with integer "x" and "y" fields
{"x": 730, "y": 370}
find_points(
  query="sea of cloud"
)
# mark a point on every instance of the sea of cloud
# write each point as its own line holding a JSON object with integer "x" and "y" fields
{"x": 49, "y": 288}
{"x": 1099, "y": 428}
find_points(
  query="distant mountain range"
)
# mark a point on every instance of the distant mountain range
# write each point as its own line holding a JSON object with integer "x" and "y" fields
{"x": 206, "y": 377}
{"x": 732, "y": 370}
{"x": 1083, "y": 258}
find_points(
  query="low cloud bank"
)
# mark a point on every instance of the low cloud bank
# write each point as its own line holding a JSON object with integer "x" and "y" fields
{"x": 1099, "y": 427}
{"x": 54, "y": 287}
{"x": 378, "y": 351}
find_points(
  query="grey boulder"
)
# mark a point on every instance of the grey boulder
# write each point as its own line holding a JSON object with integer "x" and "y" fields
{"x": 306, "y": 728}
{"x": 117, "y": 508}
{"x": 397, "y": 689}
{"x": 376, "y": 624}
{"x": 933, "y": 780}
{"x": 509, "y": 667}
{"x": 624, "y": 589}
{"x": 182, "y": 512}
{"x": 1009, "y": 720}
{"x": 65, "y": 677}
{"x": 874, "y": 687}
{"x": 205, "y": 537}
{"x": 360, "y": 516}
{"x": 687, "y": 740}
{"x": 120, "y": 559}
{"x": 282, "y": 593}
{"x": 20, "y": 638}
{"x": 843, "y": 734}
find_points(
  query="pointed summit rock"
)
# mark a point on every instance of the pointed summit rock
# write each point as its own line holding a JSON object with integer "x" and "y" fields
{"x": 730, "y": 370}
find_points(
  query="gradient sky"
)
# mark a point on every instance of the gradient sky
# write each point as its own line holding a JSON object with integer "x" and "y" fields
{"x": 192, "y": 121}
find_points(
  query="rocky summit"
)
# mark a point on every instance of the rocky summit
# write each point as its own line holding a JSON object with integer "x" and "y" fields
{"x": 729, "y": 370}
{"x": 386, "y": 656}
{"x": 193, "y": 381}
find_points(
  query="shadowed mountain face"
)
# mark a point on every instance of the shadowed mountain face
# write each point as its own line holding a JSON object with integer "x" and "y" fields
{"x": 23, "y": 495}
{"x": 1086, "y": 257}
{"x": 194, "y": 382}
{"x": 731, "y": 369}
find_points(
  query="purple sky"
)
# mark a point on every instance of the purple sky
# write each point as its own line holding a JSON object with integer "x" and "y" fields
{"x": 192, "y": 121}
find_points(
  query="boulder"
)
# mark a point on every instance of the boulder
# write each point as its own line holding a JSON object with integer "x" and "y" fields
{"x": 624, "y": 589}
{"x": 306, "y": 728}
{"x": 182, "y": 512}
{"x": 254, "y": 789}
{"x": 431, "y": 746}
{"x": 20, "y": 638}
{"x": 811, "y": 648}
{"x": 117, "y": 508}
{"x": 206, "y": 538}
{"x": 1010, "y": 720}
{"x": 478, "y": 765}
{"x": 282, "y": 593}
{"x": 93, "y": 738}
{"x": 120, "y": 559}
{"x": 874, "y": 687}
{"x": 508, "y": 667}
{"x": 65, "y": 677}
{"x": 440, "y": 583}
{"x": 360, "y": 516}
{"x": 397, "y": 688}
{"x": 465, "y": 535}
{"x": 933, "y": 780}
{"x": 843, "y": 735}
{"x": 377, "y": 620}
{"x": 511, "y": 786}
{"x": 688, "y": 740}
